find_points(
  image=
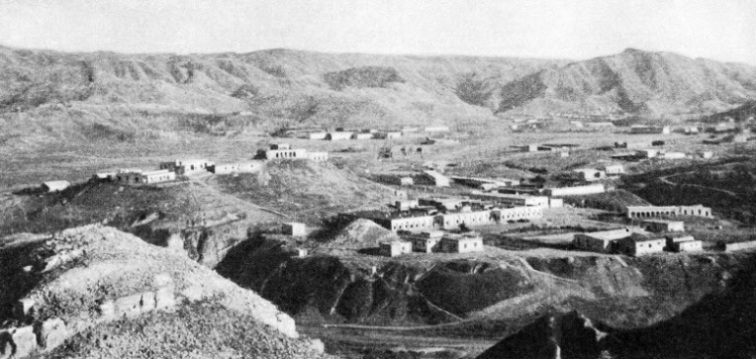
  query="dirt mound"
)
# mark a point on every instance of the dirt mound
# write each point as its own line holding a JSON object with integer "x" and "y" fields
{"x": 96, "y": 279}
{"x": 362, "y": 233}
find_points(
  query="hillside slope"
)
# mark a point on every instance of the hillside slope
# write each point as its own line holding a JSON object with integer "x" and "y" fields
{"x": 69, "y": 94}
{"x": 105, "y": 293}
{"x": 634, "y": 81}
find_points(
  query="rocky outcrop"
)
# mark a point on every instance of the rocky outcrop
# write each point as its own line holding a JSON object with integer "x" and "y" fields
{"x": 87, "y": 277}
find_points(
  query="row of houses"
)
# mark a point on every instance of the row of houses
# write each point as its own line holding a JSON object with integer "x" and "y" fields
{"x": 340, "y": 134}
{"x": 169, "y": 170}
{"x": 424, "y": 220}
{"x": 631, "y": 243}
{"x": 433, "y": 242}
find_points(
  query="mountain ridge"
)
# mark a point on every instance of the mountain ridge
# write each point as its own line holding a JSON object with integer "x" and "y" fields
{"x": 47, "y": 95}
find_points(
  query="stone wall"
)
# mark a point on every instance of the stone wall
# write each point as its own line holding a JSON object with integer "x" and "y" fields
{"x": 44, "y": 335}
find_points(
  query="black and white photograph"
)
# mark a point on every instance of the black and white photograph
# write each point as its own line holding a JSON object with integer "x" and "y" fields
{"x": 378, "y": 179}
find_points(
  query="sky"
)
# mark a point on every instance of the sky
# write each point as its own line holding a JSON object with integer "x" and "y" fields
{"x": 723, "y": 30}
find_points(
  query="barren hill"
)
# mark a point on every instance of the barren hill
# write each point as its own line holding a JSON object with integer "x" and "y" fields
{"x": 306, "y": 190}
{"x": 111, "y": 93}
{"x": 96, "y": 292}
{"x": 634, "y": 81}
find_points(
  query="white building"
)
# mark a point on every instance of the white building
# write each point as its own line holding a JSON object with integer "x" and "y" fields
{"x": 614, "y": 169}
{"x": 238, "y": 167}
{"x": 276, "y": 154}
{"x": 362, "y": 136}
{"x": 660, "y": 225}
{"x": 672, "y": 155}
{"x": 426, "y": 242}
{"x": 55, "y": 186}
{"x": 588, "y": 174}
{"x": 338, "y": 136}
{"x": 187, "y": 166}
{"x": 575, "y": 190}
{"x": 295, "y": 229}
{"x": 512, "y": 199}
{"x": 317, "y": 135}
{"x": 395, "y": 248}
{"x": 461, "y": 243}
{"x": 659, "y": 211}
{"x": 638, "y": 245}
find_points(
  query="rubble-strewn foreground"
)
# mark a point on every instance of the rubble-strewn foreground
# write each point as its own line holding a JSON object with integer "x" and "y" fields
{"x": 94, "y": 291}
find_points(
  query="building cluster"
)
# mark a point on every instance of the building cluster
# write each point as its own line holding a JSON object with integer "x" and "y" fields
{"x": 341, "y": 134}
{"x": 645, "y": 129}
{"x": 168, "y": 171}
{"x": 433, "y": 242}
{"x": 663, "y": 236}
{"x": 425, "y": 178}
{"x": 283, "y": 151}
{"x": 446, "y": 213}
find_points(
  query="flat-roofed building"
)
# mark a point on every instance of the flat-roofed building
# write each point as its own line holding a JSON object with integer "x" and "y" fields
{"x": 396, "y": 221}
{"x": 406, "y": 204}
{"x": 362, "y": 136}
{"x": 467, "y": 219}
{"x": 395, "y": 248}
{"x": 601, "y": 241}
{"x": 237, "y": 167}
{"x": 671, "y": 155}
{"x": 296, "y": 229}
{"x": 660, "y": 225}
{"x": 517, "y": 213}
{"x": 588, "y": 174}
{"x": 157, "y": 176}
{"x": 511, "y": 199}
{"x": 575, "y": 190}
{"x": 286, "y": 154}
{"x": 660, "y": 211}
{"x": 674, "y": 239}
{"x": 426, "y": 242}
{"x": 280, "y": 146}
{"x": 55, "y": 186}
{"x": 614, "y": 169}
{"x": 317, "y": 135}
{"x": 187, "y": 166}
{"x": 687, "y": 246}
{"x": 638, "y": 245}
{"x": 461, "y": 242}
{"x": 338, "y": 136}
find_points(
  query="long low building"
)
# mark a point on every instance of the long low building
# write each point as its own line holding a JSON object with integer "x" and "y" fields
{"x": 511, "y": 199}
{"x": 139, "y": 177}
{"x": 237, "y": 167}
{"x": 667, "y": 211}
{"x": 575, "y": 190}
{"x": 422, "y": 222}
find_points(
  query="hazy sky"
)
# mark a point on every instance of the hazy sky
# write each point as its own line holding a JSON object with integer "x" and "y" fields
{"x": 576, "y": 29}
